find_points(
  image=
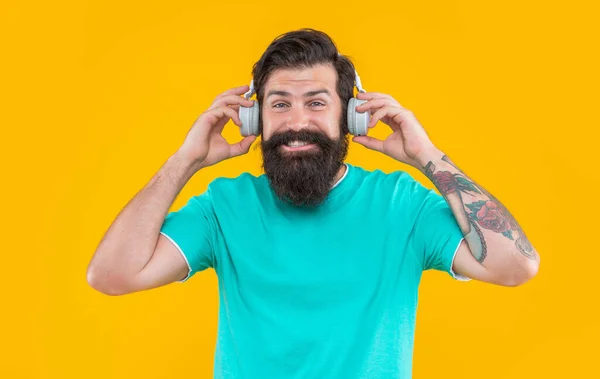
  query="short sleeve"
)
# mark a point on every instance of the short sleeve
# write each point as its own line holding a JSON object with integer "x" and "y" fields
{"x": 191, "y": 230}
{"x": 436, "y": 235}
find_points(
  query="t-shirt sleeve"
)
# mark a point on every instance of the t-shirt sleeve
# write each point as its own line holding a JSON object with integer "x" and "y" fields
{"x": 191, "y": 230}
{"x": 436, "y": 235}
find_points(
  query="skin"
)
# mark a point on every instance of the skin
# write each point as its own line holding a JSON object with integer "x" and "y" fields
{"x": 491, "y": 254}
{"x": 133, "y": 256}
{"x": 295, "y": 111}
{"x": 496, "y": 248}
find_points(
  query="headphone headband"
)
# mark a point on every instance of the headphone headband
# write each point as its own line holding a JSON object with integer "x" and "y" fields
{"x": 357, "y": 82}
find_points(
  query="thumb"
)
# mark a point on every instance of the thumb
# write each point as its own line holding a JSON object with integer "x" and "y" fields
{"x": 242, "y": 147}
{"x": 369, "y": 143}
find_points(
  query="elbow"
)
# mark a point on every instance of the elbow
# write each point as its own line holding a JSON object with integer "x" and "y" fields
{"x": 102, "y": 283}
{"x": 526, "y": 271}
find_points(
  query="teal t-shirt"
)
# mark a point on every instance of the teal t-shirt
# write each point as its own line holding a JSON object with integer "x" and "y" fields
{"x": 329, "y": 292}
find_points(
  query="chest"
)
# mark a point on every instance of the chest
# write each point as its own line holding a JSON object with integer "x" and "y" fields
{"x": 320, "y": 263}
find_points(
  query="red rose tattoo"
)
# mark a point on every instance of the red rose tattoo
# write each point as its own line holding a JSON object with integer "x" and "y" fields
{"x": 492, "y": 217}
{"x": 445, "y": 182}
{"x": 488, "y": 213}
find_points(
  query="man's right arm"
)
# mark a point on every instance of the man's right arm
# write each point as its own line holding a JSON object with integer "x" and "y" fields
{"x": 133, "y": 255}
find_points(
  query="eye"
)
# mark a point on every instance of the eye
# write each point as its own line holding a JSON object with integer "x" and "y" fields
{"x": 319, "y": 104}
{"x": 278, "y": 105}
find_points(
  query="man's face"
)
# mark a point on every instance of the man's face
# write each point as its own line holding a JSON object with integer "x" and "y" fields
{"x": 301, "y": 142}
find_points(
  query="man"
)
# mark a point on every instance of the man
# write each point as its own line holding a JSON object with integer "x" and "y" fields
{"x": 318, "y": 261}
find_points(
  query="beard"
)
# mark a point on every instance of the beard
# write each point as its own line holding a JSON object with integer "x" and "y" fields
{"x": 304, "y": 177}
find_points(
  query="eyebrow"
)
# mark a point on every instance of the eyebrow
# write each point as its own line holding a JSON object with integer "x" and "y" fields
{"x": 307, "y": 94}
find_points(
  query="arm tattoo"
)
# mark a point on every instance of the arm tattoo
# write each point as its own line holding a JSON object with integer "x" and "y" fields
{"x": 487, "y": 213}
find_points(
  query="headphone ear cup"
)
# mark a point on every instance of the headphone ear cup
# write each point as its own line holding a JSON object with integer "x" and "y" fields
{"x": 249, "y": 119}
{"x": 357, "y": 122}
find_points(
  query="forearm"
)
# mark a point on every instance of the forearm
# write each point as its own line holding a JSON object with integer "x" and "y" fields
{"x": 494, "y": 236}
{"x": 131, "y": 239}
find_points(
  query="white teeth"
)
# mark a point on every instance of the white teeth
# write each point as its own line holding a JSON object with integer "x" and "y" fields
{"x": 297, "y": 144}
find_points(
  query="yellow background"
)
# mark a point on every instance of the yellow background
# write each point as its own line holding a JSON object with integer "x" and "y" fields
{"x": 96, "y": 95}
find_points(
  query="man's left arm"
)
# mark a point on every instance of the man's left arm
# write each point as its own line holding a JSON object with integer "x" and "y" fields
{"x": 496, "y": 248}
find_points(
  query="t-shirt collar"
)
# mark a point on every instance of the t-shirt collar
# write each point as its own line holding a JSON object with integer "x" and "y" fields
{"x": 343, "y": 176}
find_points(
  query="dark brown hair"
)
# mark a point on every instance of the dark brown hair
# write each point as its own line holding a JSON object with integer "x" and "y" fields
{"x": 305, "y": 48}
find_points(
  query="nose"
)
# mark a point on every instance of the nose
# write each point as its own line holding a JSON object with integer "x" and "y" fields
{"x": 297, "y": 118}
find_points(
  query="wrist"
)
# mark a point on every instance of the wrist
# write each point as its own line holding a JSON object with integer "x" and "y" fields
{"x": 430, "y": 155}
{"x": 184, "y": 164}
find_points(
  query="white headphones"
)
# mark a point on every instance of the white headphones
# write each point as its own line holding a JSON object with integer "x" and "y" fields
{"x": 357, "y": 122}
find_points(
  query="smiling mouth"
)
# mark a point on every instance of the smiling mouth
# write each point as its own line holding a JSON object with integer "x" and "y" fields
{"x": 297, "y": 145}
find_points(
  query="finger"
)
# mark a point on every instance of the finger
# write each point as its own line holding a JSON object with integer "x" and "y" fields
{"x": 374, "y": 104}
{"x": 381, "y": 112}
{"x": 241, "y": 147}
{"x": 372, "y": 95}
{"x": 389, "y": 113}
{"x": 221, "y": 112}
{"x": 231, "y": 100}
{"x": 235, "y": 91}
{"x": 375, "y": 95}
{"x": 370, "y": 143}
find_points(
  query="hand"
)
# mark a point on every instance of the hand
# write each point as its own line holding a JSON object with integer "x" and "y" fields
{"x": 204, "y": 145}
{"x": 408, "y": 143}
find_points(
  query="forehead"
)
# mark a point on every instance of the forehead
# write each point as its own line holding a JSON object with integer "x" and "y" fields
{"x": 301, "y": 79}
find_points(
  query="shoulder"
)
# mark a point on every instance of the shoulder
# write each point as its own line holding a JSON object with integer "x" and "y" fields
{"x": 243, "y": 180}
{"x": 242, "y": 187}
{"x": 396, "y": 189}
{"x": 378, "y": 178}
